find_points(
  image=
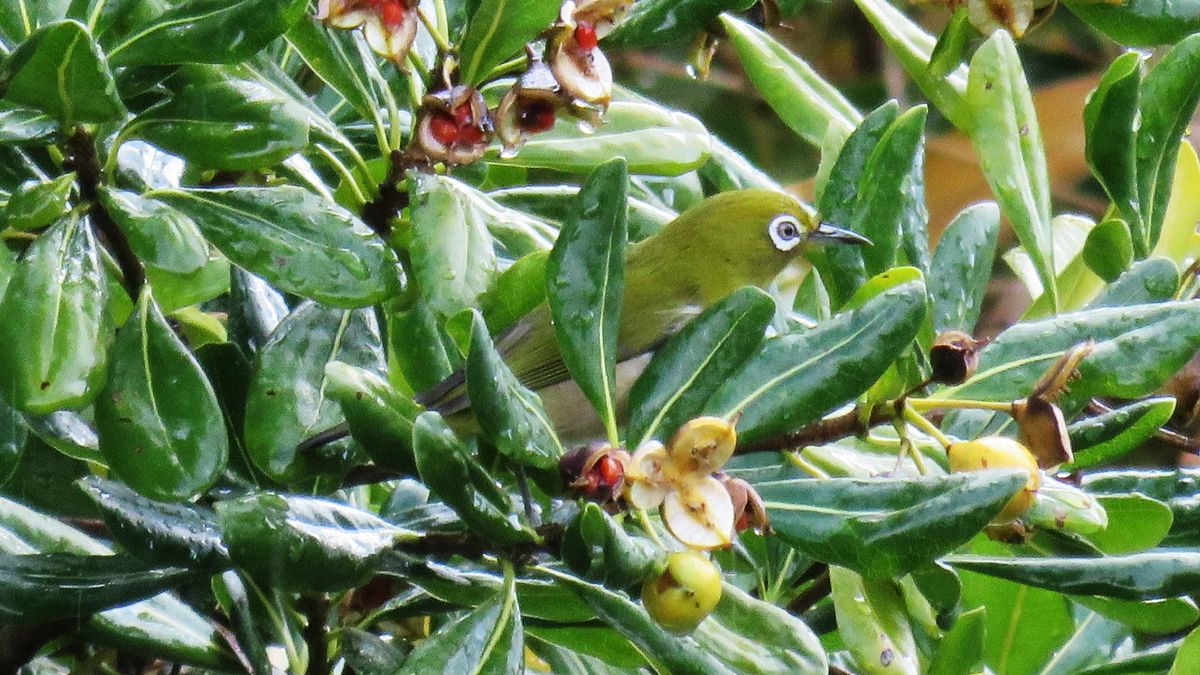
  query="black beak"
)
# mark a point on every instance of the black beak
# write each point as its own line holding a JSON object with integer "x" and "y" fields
{"x": 826, "y": 233}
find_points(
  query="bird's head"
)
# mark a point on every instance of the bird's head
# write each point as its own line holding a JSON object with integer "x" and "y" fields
{"x": 757, "y": 231}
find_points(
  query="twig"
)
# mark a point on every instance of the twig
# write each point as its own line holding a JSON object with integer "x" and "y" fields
{"x": 817, "y": 591}
{"x": 527, "y": 496}
{"x": 821, "y": 431}
{"x": 468, "y": 545}
{"x": 369, "y": 474}
{"x": 316, "y": 607}
{"x": 86, "y": 164}
{"x": 1165, "y": 436}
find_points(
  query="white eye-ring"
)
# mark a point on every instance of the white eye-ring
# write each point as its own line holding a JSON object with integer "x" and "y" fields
{"x": 785, "y": 232}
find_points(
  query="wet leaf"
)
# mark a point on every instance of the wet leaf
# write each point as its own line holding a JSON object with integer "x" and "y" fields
{"x": 961, "y": 267}
{"x": 380, "y": 418}
{"x": 60, "y": 70}
{"x": 497, "y": 31}
{"x": 1136, "y": 576}
{"x": 188, "y": 32}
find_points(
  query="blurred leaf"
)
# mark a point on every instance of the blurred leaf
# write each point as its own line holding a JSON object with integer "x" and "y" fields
{"x": 516, "y": 292}
{"x": 1135, "y": 523}
{"x": 497, "y": 31}
{"x": 695, "y": 362}
{"x": 1140, "y": 23}
{"x": 752, "y": 636}
{"x": 55, "y": 357}
{"x": 21, "y": 125}
{"x": 540, "y": 598}
{"x": 1110, "y": 130}
{"x": 653, "y": 23}
{"x": 13, "y": 434}
{"x": 796, "y": 378}
{"x": 288, "y": 399}
{"x": 1188, "y": 655}
{"x": 554, "y": 204}
{"x": 20, "y": 17}
{"x": 368, "y": 653}
{"x": 419, "y": 354}
{"x": 458, "y": 480}
{"x": 158, "y": 234}
{"x": 1096, "y": 639}
{"x": 189, "y": 32}
{"x": 585, "y": 282}
{"x": 888, "y": 526}
{"x": 1109, "y": 249}
{"x": 584, "y": 649}
{"x": 161, "y": 532}
{"x": 160, "y": 426}
{"x": 1099, "y": 440}
{"x": 380, "y": 418}
{"x": 726, "y": 170}
{"x": 509, "y": 415}
{"x": 808, "y": 104}
{"x": 295, "y": 240}
{"x": 597, "y": 547}
{"x": 651, "y": 138}
{"x": 961, "y": 648}
{"x": 51, "y": 586}
{"x": 1178, "y": 489}
{"x": 962, "y": 266}
{"x": 952, "y": 44}
{"x": 1170, "y": 92}
{"x": 914, "y": 48}
{"x": 232, "y": 596}
{"x": 302, "y": 543}
{"x": 59, "y": 69}
{"x": 36, "y": 204}
{"x": 1179, "y": 240}
{"x": 233, "y": 124}
{"x": 326, "y": 52}
{"x": 1004, "y": 129}
{"x": 488, "y": 640}
{"x": 1135, "y": 576}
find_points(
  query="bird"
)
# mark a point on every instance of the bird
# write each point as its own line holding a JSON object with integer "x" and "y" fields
{"x": 733, "y": 239}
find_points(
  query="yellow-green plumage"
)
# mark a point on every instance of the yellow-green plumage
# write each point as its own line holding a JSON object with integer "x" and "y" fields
{"x": 709, "y": 251}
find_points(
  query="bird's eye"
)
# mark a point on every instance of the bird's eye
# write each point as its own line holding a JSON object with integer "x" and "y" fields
{"x": 785, "y": 232}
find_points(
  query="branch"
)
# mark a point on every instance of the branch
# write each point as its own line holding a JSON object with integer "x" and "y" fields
{"x": 378, "y": 212}
{"x": 84, "y": 160}
{"x": 1163, "y": 435}
{"x": 315, "y": 609}
{"x": 821, "y": 431}
{"x": 470, "y": 545}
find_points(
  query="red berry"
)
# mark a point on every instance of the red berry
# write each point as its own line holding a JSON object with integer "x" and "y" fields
{"x": 585, "y": 36}
{"x": 463, "y": 115}
{"x": 536, "y": 116}
{"x": 471, "y": 135}
{"x": 444, "y": 128}
{"x": 392, "y": 14}
{"x": 609, "y": 470}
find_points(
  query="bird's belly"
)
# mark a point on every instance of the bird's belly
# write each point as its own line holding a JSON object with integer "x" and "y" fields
{"x": 571, "y": 412}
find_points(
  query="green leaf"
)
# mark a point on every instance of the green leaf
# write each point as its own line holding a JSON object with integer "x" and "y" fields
{"x": 1188, "y": 655}
{"x": 158, "y": 234}
{"x": 962, "y": 266}
{"x": 1004, "y": 129}
{"x": 1109, "y": 249}
{"x": 872, "y": 622}
{"x": 295, "y": 240}
{"x": 585, "y": 281}
{"x": 584, "y": 649}
{"x": 55, "y": 357}
{"x": 301, "y": 543}
{"x": 1099, "y": 440}
{"x": 60, "y": 70}
{"x": 36, "y": 204}
{"x": 488, "y": 640}
{"x": 540, "y": 598}
{"x": 510, "y": 416}
{"x": 51, "y": 586}
{"x": 21, "y": 125}
{"x": 18, "y": 18}
{"x": 808, "y": 104}
{"x": 652, "y": 139}
{"x": 420, "y": 354}
{"x": 961, "y": 648}
{"x": 796, "y": 378}
{"x": 1063, "y": 506}
{"x": 1135, "y": 523}
{"x": 160, "y": 426}
{"x": 1120, "y": 364}
{"x": 233, "y": 124}
{"x": 1170, "y": 92}
{"x": 1177, "y": 489}
{"x": 1109, "y": 127}
{"x": 13, "y": 434}
{"x": 160, "y": 532}
{"x": 695, "y": 362}
{"x": 653, "y": 23}
{"x": 189, "y": 32}
{"x": 1140, "y": 23}
{"x": 368, "y": 653}
{"x": 752, "y": 636}
{"x": 380, "y": 418}
{"x": 1148, "y": 281}
{"x": 326, "y": 51}
{"x": 497, "y": 31}
{"x": 666, "y": 653}
{"x": 597, "y": 547}
{"x": 516, "y": 292}
{"x": 952, "y": 44}
{"x": 1136, "y": 576}
{"x": 554, "y": 204}
{"x": 288, "y": 400}
{"x": 887, "y": 526}
{"x": 1146, "y": 616}
{"x": 458, "y": 479}
{"x": 914, "y": 49}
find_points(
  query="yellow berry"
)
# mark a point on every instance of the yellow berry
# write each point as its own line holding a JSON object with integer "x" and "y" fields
{"x": 999, "y": 452}
{"x": 684, "y": 593}
{"x": 702, "y": 445}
